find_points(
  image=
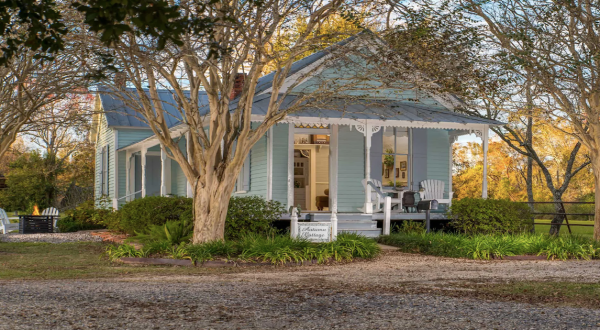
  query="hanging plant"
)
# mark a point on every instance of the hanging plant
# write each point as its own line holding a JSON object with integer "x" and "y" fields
{"x": 388, "y": 158}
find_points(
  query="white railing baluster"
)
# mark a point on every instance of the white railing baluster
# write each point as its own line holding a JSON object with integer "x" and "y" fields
{"x": 387, "y": 210}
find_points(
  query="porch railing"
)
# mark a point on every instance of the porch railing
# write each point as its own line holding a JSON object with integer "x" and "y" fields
{"x": 387, "y": 207}
{"x": 132, "y": 194}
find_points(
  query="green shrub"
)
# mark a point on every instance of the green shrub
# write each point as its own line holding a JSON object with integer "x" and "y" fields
{"x": 410, "y": 226}
{"x": 140, "y": 214}
{"x": 85, "y": 217}
{"x": 172, "y": 232}
{"x": 251, "y": 215}
{"x": 489, "y": 216}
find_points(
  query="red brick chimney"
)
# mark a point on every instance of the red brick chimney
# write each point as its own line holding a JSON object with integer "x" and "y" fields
{"x": 238, "y": 85}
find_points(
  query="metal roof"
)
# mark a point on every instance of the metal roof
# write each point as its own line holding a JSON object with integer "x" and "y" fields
{"x": 119, "y": 114}
{"x": 372, "y": 109}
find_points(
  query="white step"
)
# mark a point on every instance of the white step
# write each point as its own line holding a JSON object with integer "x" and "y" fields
{"x": 365, "y": 232}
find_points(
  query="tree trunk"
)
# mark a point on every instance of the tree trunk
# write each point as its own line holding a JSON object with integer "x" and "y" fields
{"x": 529, "y": 141}
{"x": 558, "y": 218}
{"x": 529, "y": 184}
{"x": 596, "y": 167}
{"x": 210, "y": 211}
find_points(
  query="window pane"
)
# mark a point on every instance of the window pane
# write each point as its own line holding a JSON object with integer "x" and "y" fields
{"x": 401, "y": 140}
{"x": 401, "y": 171}
{"x": 388, "y": 141}
{"x": 387, "y": 172}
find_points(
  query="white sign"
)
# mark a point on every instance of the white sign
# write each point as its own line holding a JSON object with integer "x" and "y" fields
{"x": 315, "y": 231}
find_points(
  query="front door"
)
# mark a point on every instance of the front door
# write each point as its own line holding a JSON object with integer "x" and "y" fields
{"x": 311, "y": 171}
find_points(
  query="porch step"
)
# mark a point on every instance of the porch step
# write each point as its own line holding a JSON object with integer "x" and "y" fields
{"x": 324, "y": 217}
{"x": 356, "y": 225}
{"x": 376, "y": 232}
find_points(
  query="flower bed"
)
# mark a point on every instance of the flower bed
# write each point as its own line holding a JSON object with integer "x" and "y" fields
{"x": 274, "y": 249}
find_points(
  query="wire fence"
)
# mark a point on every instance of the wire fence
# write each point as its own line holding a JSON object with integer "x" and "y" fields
{"x": 570, "y": 211}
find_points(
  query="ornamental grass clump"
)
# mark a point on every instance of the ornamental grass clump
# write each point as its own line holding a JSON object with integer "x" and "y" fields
{"x": 272, "y": 248}
{"x": 485, "y": 247}
{"x": 115, "y": 252}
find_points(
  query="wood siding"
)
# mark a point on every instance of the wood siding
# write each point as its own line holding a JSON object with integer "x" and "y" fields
{"x": 258, "y": 170}
{"x": 438, "y": 157}
{"x": 351, "y": 169}
{"x": 280, "y": 163}
{"x": 178, "y": 179}
{"x": 106, "y": 137}
{"x": 419, "y": 155}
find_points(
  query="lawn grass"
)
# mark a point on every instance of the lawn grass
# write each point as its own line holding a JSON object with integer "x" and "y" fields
{"x": 587, "y": 231}
{"x": 38, "y": 261}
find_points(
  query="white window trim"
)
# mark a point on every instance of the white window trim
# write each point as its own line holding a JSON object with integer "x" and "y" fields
{"x": 408, "y": 155}
{"x": 242, "y": 185}
{"x": 104, "y": 171}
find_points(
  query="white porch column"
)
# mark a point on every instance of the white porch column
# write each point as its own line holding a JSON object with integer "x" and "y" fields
{"x": 188, "y": 150}
{"x": 165, "y": 172}
{"x": 127, "y": 175}
{"x": 333, "y": 179}
{"x": 290, "y": 185}
{"x": 115, "y": 200}
{"x": 485, "y": 137}
{"x": 270, "y": 164}
{"x": 451, "y": 141}
{"x": 367, "y": 129}
{"x": 143, "y": 159}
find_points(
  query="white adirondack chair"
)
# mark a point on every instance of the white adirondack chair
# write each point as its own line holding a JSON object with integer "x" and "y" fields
{"x": 376, "y": 198}
{"x": 51, "y": 211}
{"x": 5, "y": 224}
{"x": 434, "y": 189}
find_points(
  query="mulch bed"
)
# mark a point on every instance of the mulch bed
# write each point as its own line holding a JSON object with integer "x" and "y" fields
{"x": 525, "y": 257}
{"x": 108, "y": 236}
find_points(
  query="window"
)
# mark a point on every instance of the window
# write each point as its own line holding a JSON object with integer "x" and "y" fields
{"x": 243, "y": 182}
{"x": 395, "y": 157}
{"x": 104, "y": 171}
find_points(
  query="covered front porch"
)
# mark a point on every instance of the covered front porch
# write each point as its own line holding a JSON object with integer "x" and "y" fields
{"x": 339, "y": 157}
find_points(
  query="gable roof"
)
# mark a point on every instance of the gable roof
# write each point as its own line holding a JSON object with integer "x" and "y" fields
{"x": 119, "y": 114}
{"x": 266, "y": 81}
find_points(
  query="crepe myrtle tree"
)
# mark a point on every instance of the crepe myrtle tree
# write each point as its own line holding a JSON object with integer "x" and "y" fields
{"x": 28, "y": 85}
{"x": 244, "y": 39}
{"x": 557, "y": 44}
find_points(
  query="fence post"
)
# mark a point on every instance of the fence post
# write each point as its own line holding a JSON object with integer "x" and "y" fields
{"x": 294, "y": 223}
{"x": 565, "y": 215}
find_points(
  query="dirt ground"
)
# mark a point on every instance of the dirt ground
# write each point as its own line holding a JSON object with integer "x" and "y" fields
{"x": 396, "y": 291}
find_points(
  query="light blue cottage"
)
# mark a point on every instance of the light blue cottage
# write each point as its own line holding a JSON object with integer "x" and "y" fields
{"x": 319, "y": 160}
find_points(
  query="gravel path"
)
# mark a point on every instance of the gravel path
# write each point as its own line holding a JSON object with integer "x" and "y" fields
{"x": 51, "y": 238}
{"x": 258, "y": 305}
{"x": 362, "y": 295}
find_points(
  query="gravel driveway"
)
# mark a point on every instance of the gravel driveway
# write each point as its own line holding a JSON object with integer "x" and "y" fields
{"x": 363, "y": 295}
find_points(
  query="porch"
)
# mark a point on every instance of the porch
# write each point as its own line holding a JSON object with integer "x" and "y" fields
{"x": 397, "y": 153}
{"x": 369, "y": 225}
